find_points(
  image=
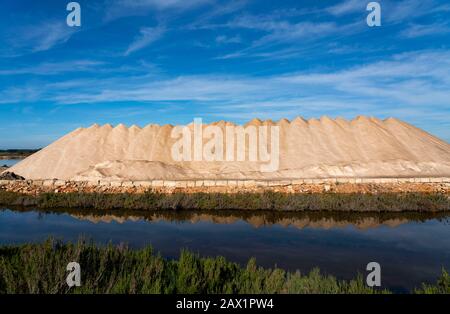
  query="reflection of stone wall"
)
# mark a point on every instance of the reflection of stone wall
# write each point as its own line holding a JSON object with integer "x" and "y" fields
{"x": 335, "y": 185}
{"x": 256, "y": 221}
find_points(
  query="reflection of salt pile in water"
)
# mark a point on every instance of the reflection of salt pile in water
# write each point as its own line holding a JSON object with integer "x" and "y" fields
{"x": 363, "y": 147}
{"x": 256, "y": 221}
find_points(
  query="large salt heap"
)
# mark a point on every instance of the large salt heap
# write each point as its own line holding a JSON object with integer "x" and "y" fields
{"x": 315, "y": 148}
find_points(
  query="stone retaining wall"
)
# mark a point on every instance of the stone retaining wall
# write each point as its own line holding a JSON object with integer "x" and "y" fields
{"x": 229, "y": 183}
{"x": 337, "y": 185}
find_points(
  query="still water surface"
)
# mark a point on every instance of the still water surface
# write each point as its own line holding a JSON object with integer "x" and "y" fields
{"x": 411, "y": 248}
{"x": 9, "y": 162}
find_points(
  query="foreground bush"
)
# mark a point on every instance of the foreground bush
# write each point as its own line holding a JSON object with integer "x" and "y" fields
{"x": 442, "y": 286}
{"x": 245, "y": 201}
{"x": 41, "y": 268}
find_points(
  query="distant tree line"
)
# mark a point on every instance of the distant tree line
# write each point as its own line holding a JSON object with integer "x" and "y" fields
{"x": 16, "y": 153}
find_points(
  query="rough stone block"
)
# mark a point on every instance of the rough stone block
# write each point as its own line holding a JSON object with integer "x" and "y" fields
{"x": 249, "y": 183}
{"x": 157, "y": 183}
{"x": 59, "y": 183}
{"x": 128, "y": 184}
{"x": 93, "y": 183}
{"x": 199, "y": 183}
{"x": 190, "y": 184}
{"x": 181, "y": 184}
{"x": 48, "y": 182}
{"x": 104, "y": 183}
{"x": 209, "y": 183}
{"x": 170, "y": 183}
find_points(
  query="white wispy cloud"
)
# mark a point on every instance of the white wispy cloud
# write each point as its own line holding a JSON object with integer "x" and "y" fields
{"x": 408, "y": 10}
{"x": 158, "y": 4}
{"x": 410, "y": 79}
{"x": 414, "y": 86}
{"x": 23, "y": 94}
{"x": 42, "y": 37}
{"x": 217, "y": 10}
{"x": 346, "y": 7}
{"x": 52, "y": 68}
{"x": 80, "y": 67}
{"x": 394, "y": 11}
{"x": 278, "y": 31}
{"x": 415, "y": 79}
{"x": 419, "y": 30}
{"x": 147, "y": 35}
{"x": 398, "y": 11}
{"x": 124, "y": 8}
{"x": 286, "y": 32}
{"x": 222, "y": 39}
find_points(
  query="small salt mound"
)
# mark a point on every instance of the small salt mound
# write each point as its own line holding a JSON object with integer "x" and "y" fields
{"x": 135, "y": 170}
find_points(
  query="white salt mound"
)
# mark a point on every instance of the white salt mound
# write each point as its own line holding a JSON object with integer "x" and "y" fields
{"x": 315, "y": 148}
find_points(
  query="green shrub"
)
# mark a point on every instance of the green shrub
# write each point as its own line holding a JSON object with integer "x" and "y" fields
{"x": 41, "y": 268}
{"x": 441, "y": 287}
{"x": 244, "y": 201}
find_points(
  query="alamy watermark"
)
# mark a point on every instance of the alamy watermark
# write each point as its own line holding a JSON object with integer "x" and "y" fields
{"x": 373, "y": 18}
{"x": 373, "y": 279}
{"x": 232, "y": 143}
{"x": 74, "y": 277}
{"x": 74, "y": 17}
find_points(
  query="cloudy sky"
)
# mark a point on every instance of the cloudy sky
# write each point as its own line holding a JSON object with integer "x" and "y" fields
{"x": 168, "y": 61}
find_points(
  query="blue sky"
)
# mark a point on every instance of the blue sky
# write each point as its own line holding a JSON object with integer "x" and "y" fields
{"x": 168, "y": 61}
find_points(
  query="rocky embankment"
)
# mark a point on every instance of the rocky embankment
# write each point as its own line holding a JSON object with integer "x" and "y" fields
{"x": 363, "y": 186}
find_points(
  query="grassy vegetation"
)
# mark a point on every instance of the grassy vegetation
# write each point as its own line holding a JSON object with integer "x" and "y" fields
{"x": 246, "y": 201}
{"x": 41, "y": 268}
{"x": 441, "y": 287}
